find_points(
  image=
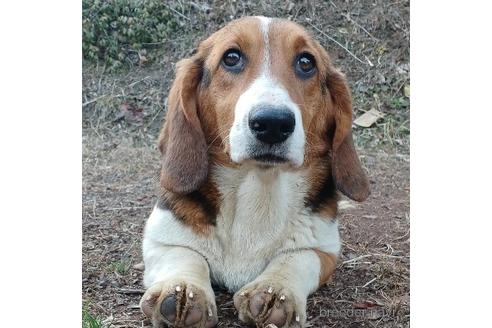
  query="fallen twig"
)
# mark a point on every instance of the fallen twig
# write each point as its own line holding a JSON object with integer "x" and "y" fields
{"x": 177, "y": 12}
{"x": 100, "y": 97}
{"x": 350, "y": 19}
{"x": 356, "y": 259}
{"x": 369, "y": 282}
{"x": 402, "y": 237}
{"x": 131, "y": 291}
{"x": 371, "y": 255}
{"x": 128, "y": 208}
{"x": 338, "y": 43}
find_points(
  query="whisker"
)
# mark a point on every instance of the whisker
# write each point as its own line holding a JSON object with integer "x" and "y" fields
{"x": 220, "y": 134}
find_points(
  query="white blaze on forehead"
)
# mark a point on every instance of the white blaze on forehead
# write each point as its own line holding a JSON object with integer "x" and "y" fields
{"x": 264, "y": 21}
{"x": 265, "y": 25}
{"x": 265, "y": 89}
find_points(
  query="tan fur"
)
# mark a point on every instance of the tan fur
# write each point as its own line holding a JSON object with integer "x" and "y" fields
{"x": 198, "y": 209}
{"x": 200, "y": 115}
{"x": 244, "y": 224}
{"x": 217, "y": 100}
{"x": 182, "y": 143}
{"x": 328, "y": 265}
{"x": 326, "y": 112}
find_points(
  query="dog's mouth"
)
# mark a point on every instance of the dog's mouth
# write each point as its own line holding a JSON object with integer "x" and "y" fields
{"x": 266, "y": 157}
{"x": 269, "y": 159}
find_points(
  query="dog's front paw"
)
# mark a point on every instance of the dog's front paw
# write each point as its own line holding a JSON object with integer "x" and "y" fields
{"x": 263, "y": 303}
{"x": 178, "y": 304}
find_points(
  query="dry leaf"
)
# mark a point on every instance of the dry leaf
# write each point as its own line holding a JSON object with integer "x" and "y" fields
{"x": 142, "y": 60}
{"x": 368, "y": 118}
{"x": 364, "y": 305}
{"x": 132, "y": 113}
{"x": 406, "y": 91}
{"x": 139, "y": 266}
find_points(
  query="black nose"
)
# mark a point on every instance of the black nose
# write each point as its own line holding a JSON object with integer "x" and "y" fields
{"x": 272, "y": 125}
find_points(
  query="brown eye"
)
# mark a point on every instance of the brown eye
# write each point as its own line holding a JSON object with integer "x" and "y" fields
{"x": 233, "y": 61}
{"x": 305, "y": 65}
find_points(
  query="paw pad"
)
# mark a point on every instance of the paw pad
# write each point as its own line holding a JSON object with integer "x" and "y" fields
{"x": 179, "y": 306}
{"x": 267, "y": 307}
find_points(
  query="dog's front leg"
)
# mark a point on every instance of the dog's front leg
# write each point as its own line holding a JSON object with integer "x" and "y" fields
{"x": 179, "y": 291}
{"x": 280, "y": 293}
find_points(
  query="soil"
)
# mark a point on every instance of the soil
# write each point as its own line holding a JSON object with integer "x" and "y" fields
{"x": 122, "y": 113}
{"x": 369, "y": 289}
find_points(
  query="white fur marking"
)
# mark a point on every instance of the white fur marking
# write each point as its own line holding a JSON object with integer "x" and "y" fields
{"x": 262, "y": 215}
{"x": 264, "y": 24}
{"x": 263, "y": 230}
{"x": 265, "y": 90}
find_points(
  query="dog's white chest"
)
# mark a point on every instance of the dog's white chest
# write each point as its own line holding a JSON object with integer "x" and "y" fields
{"x": 254, "y": 221}
{"x": 262, "y": 215}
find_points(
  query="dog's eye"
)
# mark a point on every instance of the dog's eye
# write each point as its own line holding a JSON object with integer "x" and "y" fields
{"x": 233, "y": 60}
{"x": 305, "y": 65}
{"x": 232, "y": 57}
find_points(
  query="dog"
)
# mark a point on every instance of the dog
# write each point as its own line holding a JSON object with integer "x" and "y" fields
{"x": 256, "y": 144}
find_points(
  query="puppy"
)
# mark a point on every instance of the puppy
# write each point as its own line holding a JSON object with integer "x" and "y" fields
{"x": 256, "y": 144}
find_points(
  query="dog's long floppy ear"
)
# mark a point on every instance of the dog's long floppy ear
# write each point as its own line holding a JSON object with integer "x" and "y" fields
{"x": 347, "y": 171}
{"x": 181, "y": 141}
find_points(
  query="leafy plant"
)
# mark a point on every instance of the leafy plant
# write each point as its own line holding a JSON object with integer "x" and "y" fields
{"x": 90, "y": 321}
{"x": 120, "y": 32}
{"x": 122, "y": 267}
{"x": 400, "y": 103}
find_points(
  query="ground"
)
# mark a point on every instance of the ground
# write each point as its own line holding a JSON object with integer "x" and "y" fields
{"x": 122, "y": 112}
{"x": 370, "y": 287}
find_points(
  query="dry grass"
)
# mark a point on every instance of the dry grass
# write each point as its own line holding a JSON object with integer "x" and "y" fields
{"x": 368, "y": 40}
{"x": 373, "y": 273}
{"x": 120, "y": 163}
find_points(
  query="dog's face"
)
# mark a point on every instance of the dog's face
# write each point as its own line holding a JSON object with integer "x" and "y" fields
{"x": 259, "y": 91}
{"x": 266, "y": 85}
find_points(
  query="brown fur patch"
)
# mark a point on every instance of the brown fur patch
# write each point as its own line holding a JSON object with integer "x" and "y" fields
{"x": 201, "y": 113}
{"x": 322, "y": 195}
{"x": 348, "y": 174}
{"x": 181, "y": 142}
{"x": 218, "y": 100}
{"x": 328, "y": 265}
{"x": 197, "y": 209}
{"x": 326, "y": 109}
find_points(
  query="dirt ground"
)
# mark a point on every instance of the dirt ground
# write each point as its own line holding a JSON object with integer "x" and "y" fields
{"x": 122, "y": 113}
{"x": 369, "y": 289}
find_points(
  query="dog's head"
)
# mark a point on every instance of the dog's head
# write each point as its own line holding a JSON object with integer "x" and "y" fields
{"x": 262, "y": 92}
